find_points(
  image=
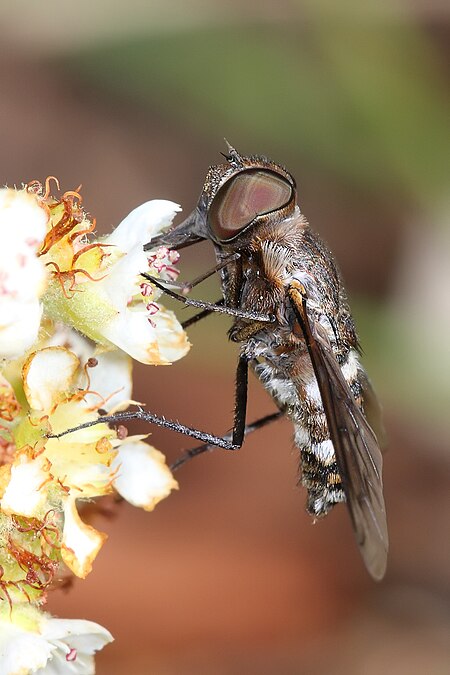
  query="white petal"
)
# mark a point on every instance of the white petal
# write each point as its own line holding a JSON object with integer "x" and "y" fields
{"x": 23, "y": 276}
{"x": 21, "y": 651}
{"x": 81, "y": 542}
{"x": 143, "y": 223}
{"x": 143, "y": 477}
{"x": 33, "y": 642}
{"x": 22, "y": 219}
{"x": 122, "y": 281}
{"x": 76, "y": 640}
{"x": 22, "y": 230}
{"x": 67, "y": 337}
{"x": 67, "y": 415}
{"x": 110, "y": 379}
{"x": 48, "y": 376}
{"x": 130, "y": 329}
{"x": 159, "y": 345}
{"x": 19, "y": 333}
{"x": 127, "y": 324}
{"x": 171, "y": 338}
{"x": 85, "y": 636}
{"x": 22, "y": 273}
{"x": 26, "y": 492}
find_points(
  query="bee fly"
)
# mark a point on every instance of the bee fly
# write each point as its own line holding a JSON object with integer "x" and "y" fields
{"x": 295, "y": 330}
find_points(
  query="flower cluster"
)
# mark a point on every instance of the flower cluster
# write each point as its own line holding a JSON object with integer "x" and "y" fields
{"x": 74, "y": 311}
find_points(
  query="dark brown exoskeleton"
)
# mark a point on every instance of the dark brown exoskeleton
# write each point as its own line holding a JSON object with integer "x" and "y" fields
{"x": 292, "y": 320}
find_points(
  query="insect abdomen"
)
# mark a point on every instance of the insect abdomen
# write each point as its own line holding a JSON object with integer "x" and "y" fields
{"x": 319, "y": 469}
{"x": 303, "y": 405}
{"x": 321, "y": 479}
{"x": 300, "y": 397}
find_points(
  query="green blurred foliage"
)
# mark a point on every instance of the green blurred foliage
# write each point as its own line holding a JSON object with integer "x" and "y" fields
{"x": 361, "y": 99}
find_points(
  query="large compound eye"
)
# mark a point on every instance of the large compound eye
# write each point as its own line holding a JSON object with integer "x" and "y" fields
{"x": 247, "y": 195}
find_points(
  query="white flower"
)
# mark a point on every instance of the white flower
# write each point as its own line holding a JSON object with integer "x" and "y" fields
{"x": 107, "y": 375}
{"x": 97, "y": 287}
{"x": 53, "y": 473}
{"x": 23, "y": 226}
{"x": 94, "y": 285}
{"x": 142, "y": 328}
{"x": 56, "y": 277}
{"x": 33, "y": 642}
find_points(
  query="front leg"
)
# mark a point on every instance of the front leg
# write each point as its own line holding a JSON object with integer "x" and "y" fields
{"x": 221, "y": 309}
{"x": 185, "y": 286}
{"x": 201, "y": 315}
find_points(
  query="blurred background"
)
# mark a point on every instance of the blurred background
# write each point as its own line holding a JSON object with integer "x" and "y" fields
{"x": 133, "y": 100}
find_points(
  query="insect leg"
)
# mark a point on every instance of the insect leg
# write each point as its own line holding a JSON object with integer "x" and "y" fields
{"x": 200, "y": 315}
{"x": 237, "y": 435}
{"x": 240, "y": 400}
{"x": 186, "y": 286}
{"x": 231, "y": 311}
{"x": 193, "y": 452}
{"x": 153, "y": 419}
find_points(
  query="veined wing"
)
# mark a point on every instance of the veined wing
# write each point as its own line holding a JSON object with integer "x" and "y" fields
{"x": 358, "y": 455}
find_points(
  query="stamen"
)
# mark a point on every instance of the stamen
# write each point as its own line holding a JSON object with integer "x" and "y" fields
{"x": 47, "y": 186}
{"x": 71, "y": 195}
{"x": 172, "y": 272}
{"x": 71, "y": 654}
{"x": 146, "y": 290}
{"x": 152, "y": 308}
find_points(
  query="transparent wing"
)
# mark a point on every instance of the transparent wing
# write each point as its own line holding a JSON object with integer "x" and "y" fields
{"x": 358, "y": 455}
{"x": 372, "y": 410}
